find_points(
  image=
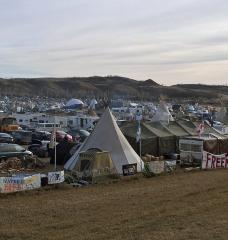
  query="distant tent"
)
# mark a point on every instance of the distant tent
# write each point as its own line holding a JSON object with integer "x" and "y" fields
{"x": 93, "y": 104}
{"x": 108, "y": 137}
{"x": 74, "y": 103}
{"x": 162, "y": 114}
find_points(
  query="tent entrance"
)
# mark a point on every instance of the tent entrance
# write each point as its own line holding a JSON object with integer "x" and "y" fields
{"x": 95, "y": 163}
{"x": 85, "y": 165}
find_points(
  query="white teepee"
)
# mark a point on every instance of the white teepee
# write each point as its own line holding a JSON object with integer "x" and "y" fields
{"x": 108, "y": 137}
{"x": 162, "y": 114}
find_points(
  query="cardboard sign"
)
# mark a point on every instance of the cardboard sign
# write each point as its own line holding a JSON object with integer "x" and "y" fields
{"x": 157, "y": 167}
{"x": 211, "y": 161}
{"x": 19, "y": 183}
{"x": 55, "y": 177}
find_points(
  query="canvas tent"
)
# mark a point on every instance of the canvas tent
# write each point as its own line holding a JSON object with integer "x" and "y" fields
{"x": 108, "y": 137}
{"x": 157, "y": 138}
{"x": 166, "y": 140}
{"x": 160, "y": 138}
{"x": 74, "y": 103}
{"x": 188, "y": 126}
{"x": 149, "y": 142}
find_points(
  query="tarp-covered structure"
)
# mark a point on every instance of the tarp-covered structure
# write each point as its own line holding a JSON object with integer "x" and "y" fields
{"x": 149, "y": 142}
{"x": 166, "y": 140}
{"x": 159, "y": 138}
{"x": 107, "y": 136}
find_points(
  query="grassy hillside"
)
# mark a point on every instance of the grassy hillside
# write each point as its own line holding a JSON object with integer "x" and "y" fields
{"x": 107, "y": 86}
{"x": 181, "y": 207}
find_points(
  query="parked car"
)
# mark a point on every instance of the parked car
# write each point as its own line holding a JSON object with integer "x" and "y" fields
{"x": 39, "y": 148}
{"x": 79, "y": 135}
{"x": 22, "y": 137}
{"x": 27, "y": 128}
{"x": 6, "y": 138}
{"x": 61, "y": 135}
{"x": 8, "y": 150}
{"x": 41, "y": 135}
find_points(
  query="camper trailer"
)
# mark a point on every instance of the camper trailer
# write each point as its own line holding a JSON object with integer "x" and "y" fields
{"x": 48, "y": 126}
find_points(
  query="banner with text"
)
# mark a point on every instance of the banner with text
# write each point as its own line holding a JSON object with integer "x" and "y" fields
{"x": 19, "y": 183}
{"x": 211, "y": 161}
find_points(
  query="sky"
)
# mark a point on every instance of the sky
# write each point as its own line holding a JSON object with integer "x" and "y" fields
{"x": 170, "y": 42}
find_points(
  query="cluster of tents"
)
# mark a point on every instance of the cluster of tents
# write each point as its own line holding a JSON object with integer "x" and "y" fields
{"x": 160, "y": 138}
{"x": 157, "y": 138}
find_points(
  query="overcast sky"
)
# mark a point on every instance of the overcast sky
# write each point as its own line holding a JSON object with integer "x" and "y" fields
{"x": 169, "y": 41}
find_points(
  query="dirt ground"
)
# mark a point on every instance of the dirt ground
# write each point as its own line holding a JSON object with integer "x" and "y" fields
{"x": 190, "y": 205}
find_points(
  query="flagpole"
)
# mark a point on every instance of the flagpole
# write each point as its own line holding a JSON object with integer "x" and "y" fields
{"x": 140, "y": 147}
{"x": 140, "y": 142}
{"x": 138, "y": 138}
{"x": 55, "y": 141}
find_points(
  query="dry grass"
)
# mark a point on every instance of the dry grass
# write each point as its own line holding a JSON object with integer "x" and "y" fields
{"x": 183, "y": 206}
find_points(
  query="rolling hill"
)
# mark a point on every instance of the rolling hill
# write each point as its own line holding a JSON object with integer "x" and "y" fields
{"x": 110, "y": 86}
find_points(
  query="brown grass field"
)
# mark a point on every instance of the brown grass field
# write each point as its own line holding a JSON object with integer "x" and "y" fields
{"x": 183, "y": 206}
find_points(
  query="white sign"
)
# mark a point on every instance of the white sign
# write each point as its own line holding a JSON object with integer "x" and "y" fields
{"x": 211, "y": 161}
{"x": 55, "y": 177}
{"x": 157, "y": 166}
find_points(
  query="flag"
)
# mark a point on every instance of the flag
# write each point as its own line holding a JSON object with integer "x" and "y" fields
{"x": 53, "y": 136}
{"x": 138, "y": 117}
{"x": 200, "y": 129}
{"x": 138, "y": 133}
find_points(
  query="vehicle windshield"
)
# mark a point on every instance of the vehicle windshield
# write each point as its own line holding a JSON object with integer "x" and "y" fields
{"x": 24, "y": 134}
{"x": 18, "y": 148}
{"x": 4, "y": 135}
{"x": 11, "y": 148}
{"x": 79, "y": 132}
{"x": 85, "y": 133}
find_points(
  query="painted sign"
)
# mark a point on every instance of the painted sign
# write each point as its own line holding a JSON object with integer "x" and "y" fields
{"x": 129, "y": 169}
{"x": 19, "y": 183}
{"x": 170, "y": 165}
{"x": 56, "y": 177}
{"x": 32, "y": 182}
{"x": 211, "y": 161}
